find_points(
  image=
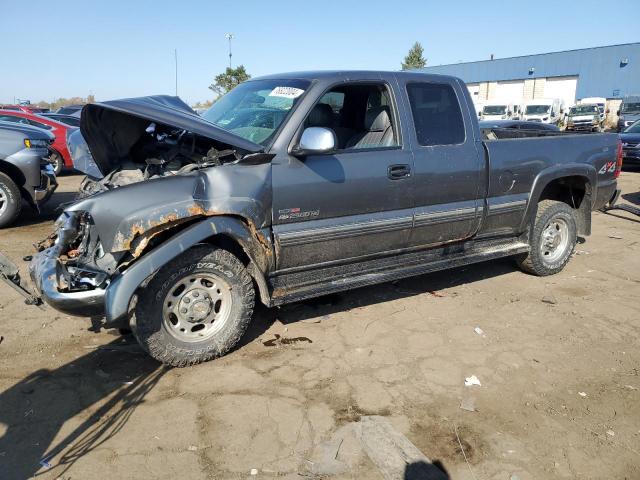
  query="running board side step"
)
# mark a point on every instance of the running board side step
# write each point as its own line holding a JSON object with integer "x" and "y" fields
{"x": 9, "y": 274}
{"x": 293, "y": 287}
{"x": 613, "y": 205}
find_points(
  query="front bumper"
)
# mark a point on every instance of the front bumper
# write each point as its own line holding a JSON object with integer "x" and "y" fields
{"x": 582, "y": 126}
{"x": 45, "y": 270}
{"x": 630, "y": 156}
{"x": 48, "y": 185}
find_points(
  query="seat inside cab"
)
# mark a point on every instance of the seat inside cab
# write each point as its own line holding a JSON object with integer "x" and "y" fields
{"x": 361, "y": 115}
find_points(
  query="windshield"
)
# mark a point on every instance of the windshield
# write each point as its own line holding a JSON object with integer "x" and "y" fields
{"x": 494, "y": 110}
{"x": 631, "y": 108}
{"x": 633, "y": 128}
{"x": 584, "y": 110}
{"x": 254, "y": 110}
{"x": 537, "y": 109}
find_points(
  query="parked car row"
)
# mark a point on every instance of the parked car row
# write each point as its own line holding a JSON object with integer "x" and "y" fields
{"x": 589, "y": 114}
{"x": 59, "y": 157}
{"x": 33, "y": 151}
{"x": 25, "y": 171}
{"x": 542, "y": 110}
{"x": 28, "y": 108}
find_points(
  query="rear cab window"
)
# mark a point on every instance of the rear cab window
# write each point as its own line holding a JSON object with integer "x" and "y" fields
{"x": 437, "y": 117}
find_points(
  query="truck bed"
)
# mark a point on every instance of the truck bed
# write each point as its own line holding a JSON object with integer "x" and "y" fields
{"x": 521, "y": 161}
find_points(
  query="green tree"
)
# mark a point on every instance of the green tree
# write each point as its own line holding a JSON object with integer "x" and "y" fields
{"x": 228, "y": 80}
{"x": 414, "y": 58}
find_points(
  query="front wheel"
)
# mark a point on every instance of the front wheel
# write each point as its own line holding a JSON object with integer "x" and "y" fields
{"x": 195, "y": 308}
{"x": 55, "y": 159}
{"x": 553, "y": 238}
{"x": 10, "y": 201}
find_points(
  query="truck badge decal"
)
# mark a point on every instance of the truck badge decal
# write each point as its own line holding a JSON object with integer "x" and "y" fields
{"x": 296, "y": 213}
{"x": 607, "y": 167}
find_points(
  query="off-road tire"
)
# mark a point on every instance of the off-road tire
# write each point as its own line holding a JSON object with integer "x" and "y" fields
{"x": 57, "y": 162}
{"x": 13, "y": 199}
{"x": 534, "y": 262}
{"x": 147, "y": 322}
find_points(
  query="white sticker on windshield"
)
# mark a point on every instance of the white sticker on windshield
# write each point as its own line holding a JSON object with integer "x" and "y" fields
{"x": 286, "y": 92}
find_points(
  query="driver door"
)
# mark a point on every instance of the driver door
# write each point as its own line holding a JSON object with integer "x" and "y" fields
{"x": 352, "y": 204}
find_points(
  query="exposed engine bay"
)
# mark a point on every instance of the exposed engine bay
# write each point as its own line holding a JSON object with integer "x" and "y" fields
{"x": 160, "y": 152}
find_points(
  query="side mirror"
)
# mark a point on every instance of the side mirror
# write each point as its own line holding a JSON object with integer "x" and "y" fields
{"x": 607, "y": 111}
{"x": 618, "y": 113}
{"x": 316, "y": 141}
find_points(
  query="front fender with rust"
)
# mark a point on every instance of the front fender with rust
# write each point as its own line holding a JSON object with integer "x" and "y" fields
{"x": 125, "y": 218}
{"x": 122, "y": 288}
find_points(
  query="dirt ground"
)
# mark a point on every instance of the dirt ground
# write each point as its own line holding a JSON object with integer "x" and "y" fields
{"x": 558, "y": 362}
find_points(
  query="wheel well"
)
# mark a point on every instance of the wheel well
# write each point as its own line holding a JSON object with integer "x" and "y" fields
{"x": 13, "y": 172}
{"x": 575, "y": 191}
{"x": 231, "y": 245}
{"x": 570, "y": 190}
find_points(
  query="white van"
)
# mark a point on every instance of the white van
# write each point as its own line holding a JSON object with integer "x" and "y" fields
{"x": 496, "y": 110}
{"x": 545, "y": 110}
{"x": 478, "y": 105}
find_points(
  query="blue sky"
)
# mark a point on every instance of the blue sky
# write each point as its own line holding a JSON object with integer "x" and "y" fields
{"x": 125, "y": 48}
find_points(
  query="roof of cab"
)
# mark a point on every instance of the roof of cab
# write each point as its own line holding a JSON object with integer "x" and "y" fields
{"x": 349, "y": 74}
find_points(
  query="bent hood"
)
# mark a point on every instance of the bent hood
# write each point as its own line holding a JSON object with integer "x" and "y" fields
{"x": 111, "y": 128}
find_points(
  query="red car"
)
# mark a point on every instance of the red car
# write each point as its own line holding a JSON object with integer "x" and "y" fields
{"x": 60, "y": 157}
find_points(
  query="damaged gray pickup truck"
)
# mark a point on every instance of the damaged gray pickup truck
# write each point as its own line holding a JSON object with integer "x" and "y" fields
{"x": 298, "y": 185}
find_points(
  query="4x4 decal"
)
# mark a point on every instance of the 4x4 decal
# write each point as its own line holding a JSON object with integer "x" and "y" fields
{"x": 607, "y": 167}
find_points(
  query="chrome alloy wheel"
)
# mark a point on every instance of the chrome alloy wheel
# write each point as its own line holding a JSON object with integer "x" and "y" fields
{"x": 197, "y": 307}
{"x": 4, "y": 201}
{"x": 555, "y": 240}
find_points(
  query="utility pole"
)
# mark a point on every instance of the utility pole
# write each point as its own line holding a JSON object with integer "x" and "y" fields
{"x": 175, "y": 55}
{"x": 229, "y": 36}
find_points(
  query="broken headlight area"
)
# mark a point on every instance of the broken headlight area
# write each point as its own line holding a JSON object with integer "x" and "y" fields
{"x": 160, "y": 152}
{"x": 81, "y": 262}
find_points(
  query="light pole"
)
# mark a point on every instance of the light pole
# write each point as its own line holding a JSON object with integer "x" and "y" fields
{"x": 229, "y": 36}
{"x": 175, "y": 56}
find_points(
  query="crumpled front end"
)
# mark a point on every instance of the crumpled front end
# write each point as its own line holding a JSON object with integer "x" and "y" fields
{"x": 99, "y": 237}
{"x": 61, "y": 282}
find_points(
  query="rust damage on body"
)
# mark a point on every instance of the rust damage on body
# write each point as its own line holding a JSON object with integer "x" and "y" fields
{"x": 138, "y": 237}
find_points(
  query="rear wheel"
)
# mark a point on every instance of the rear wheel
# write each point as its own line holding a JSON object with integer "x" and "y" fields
{"x": 553, "y": 238}
{"x": 10, "y": 201}
{"x": 56, "y": 162}
{"x": 196, "y": 308}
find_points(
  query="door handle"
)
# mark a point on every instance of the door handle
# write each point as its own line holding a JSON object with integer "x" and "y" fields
{"x": 395, "y": 172}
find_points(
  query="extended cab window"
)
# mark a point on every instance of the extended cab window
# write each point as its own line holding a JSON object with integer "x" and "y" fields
{"x": 361, "y": 115}
{"x": 436, "y": 114}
